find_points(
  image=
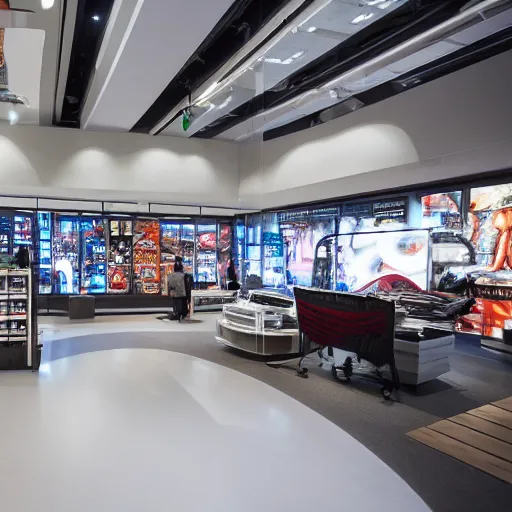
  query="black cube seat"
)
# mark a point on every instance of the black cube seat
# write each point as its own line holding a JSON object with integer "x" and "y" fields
{"x": 81, "y": 307}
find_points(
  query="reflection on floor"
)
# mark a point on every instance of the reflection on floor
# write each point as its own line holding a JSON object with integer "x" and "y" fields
{"x": 444, "y": 483}
{"x": 144, "y": 429}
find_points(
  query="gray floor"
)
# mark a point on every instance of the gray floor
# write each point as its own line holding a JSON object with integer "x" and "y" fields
{"x": 444, "y": 483}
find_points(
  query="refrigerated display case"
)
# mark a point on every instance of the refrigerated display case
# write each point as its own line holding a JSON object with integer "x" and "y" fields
{"x": 22, "y": 232}
{"x": 44, "y": 220}
{"x": 146, "y": 256}
{"x": 252, "y": 262}
{"x": 176, "y": 240}
{"x": 5, "y": 234}
{"x": 273, "y": 260}
{"x": 120, "y": 256}
{"x": 224, "y": 245}
{"x": 188, "y": 237}
{"x": 206, "y": 254}
{"x": 65, "y": 254}
{"x": 93, "y": 264}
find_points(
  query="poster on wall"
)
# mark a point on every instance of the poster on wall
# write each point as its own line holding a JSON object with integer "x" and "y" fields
{"x": 146, "y": 255}
{"x": 379, "y": 215}
{"x": 442, "y": 211}
{"x": 390, "y": 211}
{"x": 488, "y": 277}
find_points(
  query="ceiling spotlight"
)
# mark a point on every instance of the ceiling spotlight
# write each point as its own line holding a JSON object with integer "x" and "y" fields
{"x": 361, "y": 18}
{"x": 13, "y": 117}
{"x": 47, "y": 4}
{"x": 96, "y": 17}
{"x": 311, "y": 29}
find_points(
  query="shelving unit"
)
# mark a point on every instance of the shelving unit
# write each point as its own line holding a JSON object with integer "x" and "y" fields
{"x": 15, "y": 319}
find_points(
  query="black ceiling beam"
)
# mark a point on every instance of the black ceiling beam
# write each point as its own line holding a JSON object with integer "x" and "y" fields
{"x": 90, "y": 24}
{"x": 408, "y": 21}
{"x": 460, "y": 59}
{"x": 242, "y": 22}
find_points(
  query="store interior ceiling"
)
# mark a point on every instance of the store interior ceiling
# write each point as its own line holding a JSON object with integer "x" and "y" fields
{"x": 234, "y": 70}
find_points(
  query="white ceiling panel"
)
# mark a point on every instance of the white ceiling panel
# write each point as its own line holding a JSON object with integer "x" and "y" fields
{"x": 315, "y": 32}
{"x": 159, "y": 40}
{"x": 359, "y": 79}
{"x": 32, "y": 42}
{"x": 23, "y": 53}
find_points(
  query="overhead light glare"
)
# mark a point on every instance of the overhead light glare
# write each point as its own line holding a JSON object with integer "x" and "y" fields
{"x": 96, "y": 17}
{"x": 387, "y": 4}
{"x": 311, "y": 29}
{"x": 361, "y": 18}
{"x": 298, "y": 55}
{"x": 13, "y": 117}
{"x": 226, "y": 102}
{"x": 47, "y": 4}
{"x": 207, "y": 92}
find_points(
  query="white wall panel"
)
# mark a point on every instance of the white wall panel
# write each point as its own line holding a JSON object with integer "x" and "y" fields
{"x": 79, "y": 206}
{"x": 72, "y": 164}
{"x": 18, "y": 202}
{"x": 455, "y": 126}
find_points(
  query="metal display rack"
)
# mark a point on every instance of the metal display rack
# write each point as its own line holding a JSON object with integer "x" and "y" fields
{"x": 18, "y": 333}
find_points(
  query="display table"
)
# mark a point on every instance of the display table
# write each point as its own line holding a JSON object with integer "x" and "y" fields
{"x": 211, "y": 300}
{"x": 422, "y": 361}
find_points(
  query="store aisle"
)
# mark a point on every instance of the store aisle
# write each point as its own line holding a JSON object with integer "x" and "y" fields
{"x": 144, "y": 429}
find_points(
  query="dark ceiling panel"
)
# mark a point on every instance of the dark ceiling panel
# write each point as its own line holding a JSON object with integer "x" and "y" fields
{"x": 91, "y": 20}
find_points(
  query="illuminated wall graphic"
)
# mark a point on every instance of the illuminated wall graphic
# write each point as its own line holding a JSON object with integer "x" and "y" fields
{"x": 386, "y": 260}
{"x": 488, "y": 233}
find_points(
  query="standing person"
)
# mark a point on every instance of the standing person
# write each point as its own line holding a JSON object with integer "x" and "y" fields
{"x": 233, "y": 283}
{"x": 177, "y": 289}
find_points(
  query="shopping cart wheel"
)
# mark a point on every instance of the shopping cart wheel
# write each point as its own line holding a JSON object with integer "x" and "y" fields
{"x": 346, "y": 375}
{"x": 386, "y": 392}
{"x": 302, "y": 372}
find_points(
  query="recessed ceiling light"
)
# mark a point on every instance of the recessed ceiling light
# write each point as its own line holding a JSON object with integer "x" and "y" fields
{"x": 96, "y": 17}
{"x": 311, "y": 29}
{"x": 362, "y": 17}
{"x": 47, "y": 4}
{"x": 13, "y": 117}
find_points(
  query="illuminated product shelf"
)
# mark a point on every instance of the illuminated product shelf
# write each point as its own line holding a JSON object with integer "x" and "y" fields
{"x": 15, "y": 319}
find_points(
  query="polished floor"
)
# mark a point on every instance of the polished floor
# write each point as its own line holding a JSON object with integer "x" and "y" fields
{"x": 445, "y": 484}
{"x": 147, "y": 429}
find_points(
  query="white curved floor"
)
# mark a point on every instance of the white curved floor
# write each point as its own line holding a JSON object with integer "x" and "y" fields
{"x": 149, "y": 430}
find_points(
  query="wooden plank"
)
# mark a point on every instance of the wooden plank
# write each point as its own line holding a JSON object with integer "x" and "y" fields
{"x": 485, "y": 462}
{"x": 484, "y": 426}
{"x": 506, "y": 404}
{"x": 473, "y": 438}
{"x": 494, "y": 415}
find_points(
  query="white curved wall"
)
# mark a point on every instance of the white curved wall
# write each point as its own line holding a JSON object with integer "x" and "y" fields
{"x": 455, "y": 126}
{"x": 73, "y": 164}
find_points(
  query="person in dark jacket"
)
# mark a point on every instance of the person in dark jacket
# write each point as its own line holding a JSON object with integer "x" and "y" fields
{"x": 176, "y": 284}
{"x": 233, "y": 283}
